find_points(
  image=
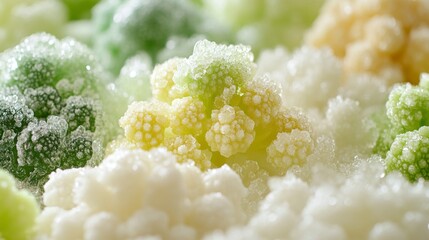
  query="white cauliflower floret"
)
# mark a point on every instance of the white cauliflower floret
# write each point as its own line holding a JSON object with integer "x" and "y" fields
{"x": 290, "y": 149}
{"x": 308, "y": 77}
{"x": 365, "y": 204}
{"x": 134, "y": 194}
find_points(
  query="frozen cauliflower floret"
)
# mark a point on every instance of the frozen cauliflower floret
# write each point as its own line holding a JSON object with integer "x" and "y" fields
{"x": 264, "y": 23}
{"x": 144, "y": 123}
{"x": 308, "y": 77}
{"x": 188, "y": 116}
{"x": 187, "y": 149}
{"x": 137, "y": 194}
{"x": 364, "y": 204}
{"x": 18, "y": 210}
{"x": 231, "y": 131}
{"x": 21, "y": 18}
{"x": 220, "y": 110}
{"x": 163, "y": 87}
{"x": 290, "y": 149}
{"x": 52, "y": 112}
{"x": 383, "y": 37}
{"x": 261, "y": 101}
{"x": 409, "y": 154}
{"x": 350, "y": 126}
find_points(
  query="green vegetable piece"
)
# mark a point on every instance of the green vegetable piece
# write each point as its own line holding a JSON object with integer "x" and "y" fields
{"x": 40, "y": 146}
{"x": 79, "y": 149}
{"x": 212, "y": 68}
{"x": 41, "y": 60}
{"x": 18, "y": 210}
{"x": 409, "y": 154}
{"x": 408, "y": 107}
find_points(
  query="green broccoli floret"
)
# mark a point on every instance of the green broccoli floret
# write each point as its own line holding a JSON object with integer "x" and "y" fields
{"x": 51, "y": 108}
{"x": 127, "y": 27}
{"x": 409, "y": 154}
{"x": 18, "y": 210}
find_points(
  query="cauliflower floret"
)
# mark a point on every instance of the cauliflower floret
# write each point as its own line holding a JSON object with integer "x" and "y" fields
{"x": 382, "y": 37}
{"x": 219, "y": 113}
{"x": 163, "y": 87}
{"x": 187, "y": 149}
{"x": 362, "y": 204}
{"x": 137, "y": 194}
{"x": 188, "y": 116}
{"x": 290, "y": 149}
{"x": 18, "y": 210}
{"x": 409, "y": 154}
{"x": 308, "y": 78}
{"x": 261, "y": 101}
{"x": 144, "y": 123}
{"x": 231, "y": 131}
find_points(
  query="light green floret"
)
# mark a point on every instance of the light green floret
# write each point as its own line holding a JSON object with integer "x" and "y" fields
{"x": 212, "y": 68}
{"x": 409, "y": 154}
{"x": 18, "y": 210}
{"x": 407, "y": 109}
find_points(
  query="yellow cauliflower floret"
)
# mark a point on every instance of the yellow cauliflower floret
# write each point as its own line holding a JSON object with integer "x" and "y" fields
{"x": 144, "y": 123}
{"x": 289, "y": 149}
{"x": 382, "y": 37}
{"x": 261, "y": 101}
{"x": 163, "y": 87}
{"x": 186, "y": 148}
{"x": 289, "y": 119}
{"x": 188, "y": 116}
{"x": 231, "y": 131}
